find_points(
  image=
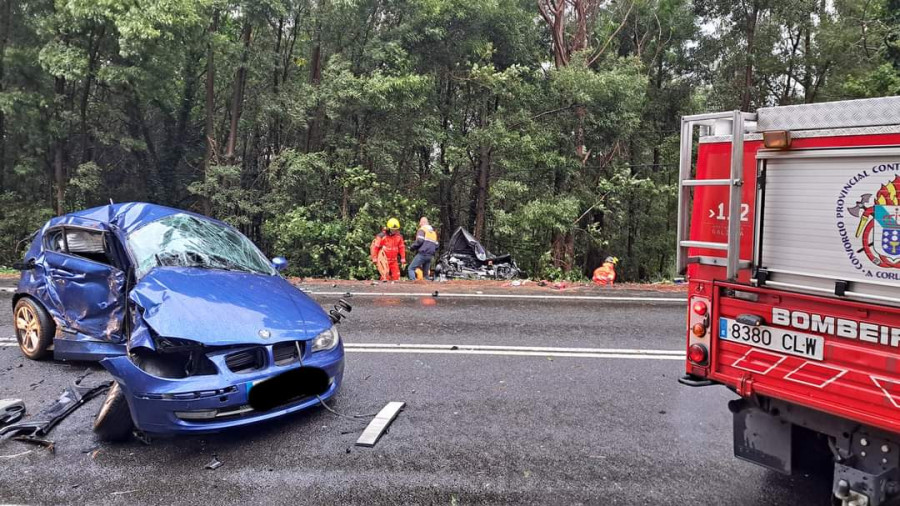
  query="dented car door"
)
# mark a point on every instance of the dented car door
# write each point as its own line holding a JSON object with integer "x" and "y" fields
{"x": 85, "y": 282}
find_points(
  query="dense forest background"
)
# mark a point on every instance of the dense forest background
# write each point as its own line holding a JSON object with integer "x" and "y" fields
{"x": 547, "y": 127}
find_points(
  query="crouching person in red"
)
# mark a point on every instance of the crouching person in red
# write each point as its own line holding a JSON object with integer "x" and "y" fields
{"x": 606, "y": 273}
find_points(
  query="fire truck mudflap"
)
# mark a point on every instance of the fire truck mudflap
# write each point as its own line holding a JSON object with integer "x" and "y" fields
{"x": 789, "y": 233}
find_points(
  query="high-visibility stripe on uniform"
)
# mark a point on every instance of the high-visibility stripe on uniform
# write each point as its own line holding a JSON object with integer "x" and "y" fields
{"x": 429, "y": 234}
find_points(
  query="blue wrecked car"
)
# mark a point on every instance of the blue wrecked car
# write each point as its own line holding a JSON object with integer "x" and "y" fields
{"x": 197, "y": 327}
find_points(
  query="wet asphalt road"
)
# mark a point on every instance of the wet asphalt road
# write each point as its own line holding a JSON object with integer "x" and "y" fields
{"x": 477, "y": 428}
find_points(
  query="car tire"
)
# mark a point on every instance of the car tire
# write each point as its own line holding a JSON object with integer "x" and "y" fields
{"x": 113, "y": 423}
{"x": 34, "y": 328}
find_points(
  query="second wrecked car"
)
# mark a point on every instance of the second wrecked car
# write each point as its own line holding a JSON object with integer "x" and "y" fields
{"x": 466, "y": 258}
{"x": 196, "y": 326}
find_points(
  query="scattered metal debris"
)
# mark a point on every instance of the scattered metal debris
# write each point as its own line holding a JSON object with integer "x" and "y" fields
{"x": 11, "y": 411}
{"x": 142, "y": 438}
{"x": 215, "y": 464}
{"x": 379, "y": 424}
{"x": 15, "y": 455}
{"x": 42, "y": 423}
{"x": 123, "y": 492}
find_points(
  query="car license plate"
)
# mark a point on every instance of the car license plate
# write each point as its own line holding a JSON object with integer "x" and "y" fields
{"x": 774, "y": 339}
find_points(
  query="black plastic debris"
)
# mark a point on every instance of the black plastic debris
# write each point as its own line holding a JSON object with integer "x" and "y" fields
{"x": 42, "y": 423}
{"x": 11, "y": 411}
{"x": 466, "y": 258}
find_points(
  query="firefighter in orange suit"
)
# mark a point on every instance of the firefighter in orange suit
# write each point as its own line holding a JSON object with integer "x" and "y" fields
{"x": 378, "y": 257}
{"x": 606, "y": 273}
{"x": 391, "y": 246}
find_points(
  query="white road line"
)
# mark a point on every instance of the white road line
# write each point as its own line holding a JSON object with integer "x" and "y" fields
{"x": 10, "y": 345}
{"x": 507, "y": 296}
{"x": 8, "y": 290}
{"x": 465, "y": 347}
{"x": 519, "y": 353}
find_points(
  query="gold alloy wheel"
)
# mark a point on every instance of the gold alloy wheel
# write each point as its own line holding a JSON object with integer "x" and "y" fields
{"x": 28, "y": 328}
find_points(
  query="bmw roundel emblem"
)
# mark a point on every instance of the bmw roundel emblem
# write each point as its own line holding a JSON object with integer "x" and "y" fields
{"x": 265, "y": 334}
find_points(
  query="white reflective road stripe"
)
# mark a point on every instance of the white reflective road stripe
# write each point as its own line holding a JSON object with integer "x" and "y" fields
{"x": 506, "y": 296}
{"x": 465, "y": 347}
{"x": 519, "y": 351}
{"x": 8, "y": 290}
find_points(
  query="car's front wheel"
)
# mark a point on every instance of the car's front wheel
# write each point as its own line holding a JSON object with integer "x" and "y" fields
{"x": 34, "y": 329}
{"x": 113, "y": 422}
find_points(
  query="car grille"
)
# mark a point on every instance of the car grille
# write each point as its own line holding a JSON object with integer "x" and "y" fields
{"x": 246, "y": 360}
{"x": 286, "y": 353}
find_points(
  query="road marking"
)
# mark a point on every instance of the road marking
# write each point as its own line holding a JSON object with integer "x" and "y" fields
{"x": 7, "y": 290}
{"x": 506, "y": 296}
{"x": 464, "y": 347}
{"x": 518, "y": 351}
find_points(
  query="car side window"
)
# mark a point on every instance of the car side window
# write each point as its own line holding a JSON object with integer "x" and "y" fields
{"x": 54, "y": 241}
{"x": 87, "y": 244}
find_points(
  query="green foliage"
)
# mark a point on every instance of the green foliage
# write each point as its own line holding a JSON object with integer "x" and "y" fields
{"x": 349, "y": 112}
{"x": 20, "y": 218}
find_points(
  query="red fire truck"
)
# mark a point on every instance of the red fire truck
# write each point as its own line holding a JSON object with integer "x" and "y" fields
{"x": 789, "y": 235}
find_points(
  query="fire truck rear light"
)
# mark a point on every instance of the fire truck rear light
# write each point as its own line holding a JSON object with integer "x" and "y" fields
{"x": 777, "y": 139}
{"x": 699, "y": 329}
{"x": 700, "y": 308}
{"x": 697, "y": 354}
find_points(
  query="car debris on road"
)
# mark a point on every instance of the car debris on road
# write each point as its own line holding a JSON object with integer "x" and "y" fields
{"x": 11, "y": 411}
{"x": 38, "y": 426}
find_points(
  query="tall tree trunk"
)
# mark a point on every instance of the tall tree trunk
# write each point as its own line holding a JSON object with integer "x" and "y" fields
{"x": 808, "y": 69}
{"x": 752, "y": 20}
{"x": 208, "y": 130}
{"x": 315, "y": 77}
{"x": 93, "y": 50}
{"x": 177, "y": 139}
{"x": 237, "y": 100}
{"x": 59, "y": 151}
{"x": 481, "y": 192}
{"x": 5, "y": 16}
{"x": 445, "y": 184}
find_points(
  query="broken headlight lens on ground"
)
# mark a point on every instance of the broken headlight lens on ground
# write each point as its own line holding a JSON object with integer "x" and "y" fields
{"x": 326, "y": 340}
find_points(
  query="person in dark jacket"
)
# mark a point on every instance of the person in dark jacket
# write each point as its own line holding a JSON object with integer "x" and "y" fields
{"x": 426, "y": 246}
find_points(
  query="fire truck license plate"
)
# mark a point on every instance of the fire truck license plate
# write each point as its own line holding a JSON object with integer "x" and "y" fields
{"x": 771, "y": 338}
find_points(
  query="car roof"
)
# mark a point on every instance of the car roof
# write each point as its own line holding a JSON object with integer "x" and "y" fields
{"x": 127, "y": 216}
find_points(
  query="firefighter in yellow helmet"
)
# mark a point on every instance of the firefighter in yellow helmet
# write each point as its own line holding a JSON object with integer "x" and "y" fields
{"x": 392, "y": 245}
{"x": 606, "y": 273}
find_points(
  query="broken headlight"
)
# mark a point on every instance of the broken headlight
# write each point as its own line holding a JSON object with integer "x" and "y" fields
{"x": 326, "y": 340}
{"x": 174, "y": 359}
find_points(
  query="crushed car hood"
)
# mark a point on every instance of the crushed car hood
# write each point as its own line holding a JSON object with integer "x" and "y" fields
{"x": 217, "y": 308}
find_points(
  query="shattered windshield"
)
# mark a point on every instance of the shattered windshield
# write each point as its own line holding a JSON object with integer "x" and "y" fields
{"x": 182, "y": 240}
